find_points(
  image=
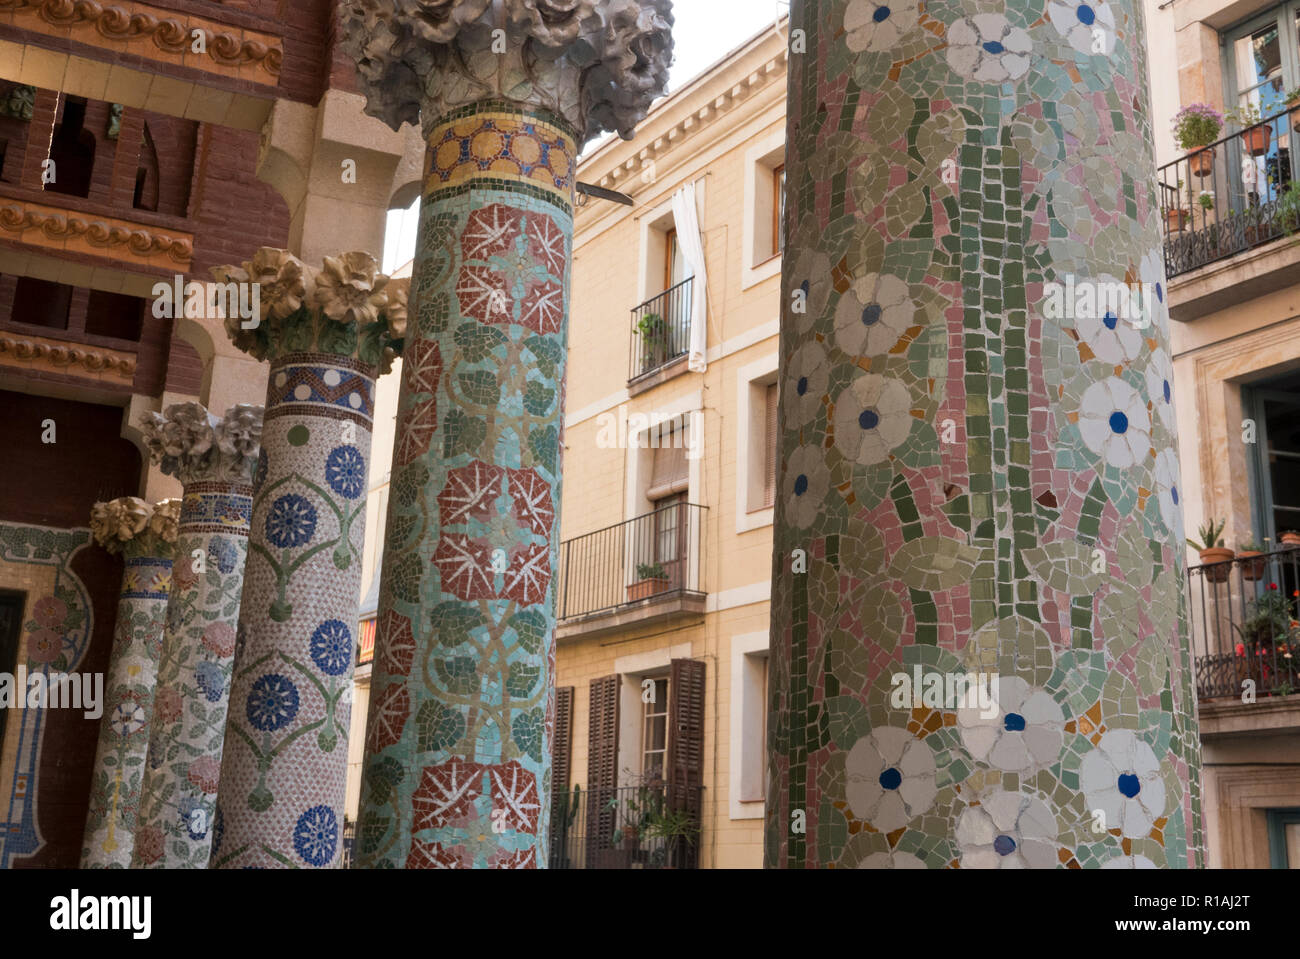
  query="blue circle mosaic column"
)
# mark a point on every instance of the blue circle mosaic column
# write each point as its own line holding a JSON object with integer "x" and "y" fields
{"x": 458, "y": 744}
{"x": 284, "y": 772}
{"x": 130, "y": 684}
{"x": 977, "y": 479}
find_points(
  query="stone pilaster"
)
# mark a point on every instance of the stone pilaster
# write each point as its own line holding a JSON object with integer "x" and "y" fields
{"x": 328, "y": 335}
{"x": 457, "y": 769}
{"x": 214, "y": 459}
{"x": 145, "y": 536}
{"x": 978, "y": 463}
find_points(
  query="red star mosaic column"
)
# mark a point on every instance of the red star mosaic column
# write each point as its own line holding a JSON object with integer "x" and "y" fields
{"x": 145, "y": 536}
{"x": 327, "y": 334}
{"x": 457, "y": 767}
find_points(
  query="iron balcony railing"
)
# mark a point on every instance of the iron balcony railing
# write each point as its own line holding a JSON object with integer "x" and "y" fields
{"x": 653, "y": 555}
{"x": 1244, "y": 624}
{"x": 349, "y": 843}
{"x": 1230, "y": 196}
{"x": 661, "y": 329}
{"x": 654, "y": 826}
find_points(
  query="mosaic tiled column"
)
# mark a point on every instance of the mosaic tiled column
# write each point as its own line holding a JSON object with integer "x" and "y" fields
{"x": 145, "y": 536}
{"x": 214, "y": 459}
{"x": 326, "y": 334}
{"x": 457, "y": 769}
{"x": 976, "y": 478}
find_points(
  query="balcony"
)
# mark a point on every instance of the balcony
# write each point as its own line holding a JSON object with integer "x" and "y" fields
{"x": 654, "y": 826}
{"x": 1244, "y": 627}
{"x": 1222, "y": 205}
{"x": 647, "y": 568}
{"x": 661, "y": 333}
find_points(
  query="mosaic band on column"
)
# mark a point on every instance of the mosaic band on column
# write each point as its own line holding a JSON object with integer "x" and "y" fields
{"x": 980, "y": 485}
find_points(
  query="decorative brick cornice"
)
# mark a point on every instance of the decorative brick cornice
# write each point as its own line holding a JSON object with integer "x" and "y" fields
{"x": 128, "y": 21}
{"x": 117, "y": 238}
{"x": 18, "y": 349}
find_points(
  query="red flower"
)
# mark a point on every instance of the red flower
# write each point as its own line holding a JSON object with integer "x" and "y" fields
{"x": 205, "y": 772}
{"x": 220, "y": 638}
{"x": 167, "y": 706}
{"x": 1241, "y": 649}
{"x": 50, "y": 612}
{"x": 1272, "y": 585}
{"x": 149, "y": 844}
{"x": 44, "y": 646}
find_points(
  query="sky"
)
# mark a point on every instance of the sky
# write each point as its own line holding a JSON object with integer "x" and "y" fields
{"x": 704, "y": 32}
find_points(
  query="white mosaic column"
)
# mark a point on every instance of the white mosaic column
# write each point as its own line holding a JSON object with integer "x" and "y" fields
{"x": 214, "y": 460}
{"x": 327, "y": 334}
{"x": 145, "y": 536}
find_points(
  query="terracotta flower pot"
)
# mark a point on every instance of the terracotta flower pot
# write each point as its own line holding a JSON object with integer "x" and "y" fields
{"x": 1176, "y": 220}
{"x": 1253, "y": 565}
{"x": 1257, "y": 140}
{"x": 1221, "y": 555}
{"x": 1290, "y": 539}
{"x": 1202, "y": 162}
{"x": 645, "y": 588}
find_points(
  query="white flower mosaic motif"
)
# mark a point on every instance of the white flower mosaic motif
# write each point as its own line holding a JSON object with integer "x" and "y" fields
{"x": 1160, "y": 387}
{"x": 875, "y": 27}
{"x": 1121, "y": 778}
{"x": 872, "y": 315}
{"x": 805, "y": 384}
{"x": 891, "y": 778}
{"x": 1026, "y": 732}
{"x": 128, "y": 718}
{"x": 811, "y": 289}
{"x": 891, "y": 860}
{"x": 1112, "y": 337}
{"x": 1114, "y": 423}
{"x": 1151, "y": 273}
{"x": 872, "y": 417}
{"x": 1168, "y": 494}
{"x": 987, "y": 48}
{"x": 1129, "y": 862}
{"x": 1088, "y": 27}
{"x": 1007, "y": 831}
{"x": 805, "y": 485}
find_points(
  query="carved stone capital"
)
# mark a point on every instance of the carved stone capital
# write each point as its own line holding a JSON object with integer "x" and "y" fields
{"x": 598, "y": 64}
{"x": 346, "y": 308}
{"x": 194, "y": 446}
{"x": 136, "y": 527}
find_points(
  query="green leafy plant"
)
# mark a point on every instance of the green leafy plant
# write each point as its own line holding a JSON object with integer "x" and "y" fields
{"x": 652, "y": 328}
{"x": 1211, "y": 534}
{"x": 1244, "y": 116}
{"x": 1251, "y": 547}
{"x": 1271, "y": 618}
{"x": 1206, "y": 200}
{"x": 1288, "y": 208}
{"x": 1197, "y": 125}
{"x": 651, "y": 571}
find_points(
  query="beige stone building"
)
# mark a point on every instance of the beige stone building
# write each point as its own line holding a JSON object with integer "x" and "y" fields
{"x": 1233, "y": 261}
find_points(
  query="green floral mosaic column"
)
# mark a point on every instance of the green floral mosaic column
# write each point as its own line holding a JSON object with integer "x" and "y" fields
{"x": 457, "y": 768}
{"x": 979, "y": 464}
{"x": 327, "y": 334}
{"x": 145, "y": 536}
{"x": 214, "y": 459}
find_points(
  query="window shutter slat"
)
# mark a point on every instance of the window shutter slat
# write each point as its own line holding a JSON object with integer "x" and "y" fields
{"x": 561, "y": 761}
{"x": 686, "y": 742}
{"x": 670, "y": 473}
{"x": 770, "y": 446}
{"x": 602, "y": 765}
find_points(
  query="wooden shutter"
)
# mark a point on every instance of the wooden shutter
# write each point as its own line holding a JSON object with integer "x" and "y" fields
{"x": 562, "y": 814}
{"x": 602, "y": 766}
{"x": 686, "y": 743}
{"x": 670, "y": 473}
{"x": 770, "y": 445}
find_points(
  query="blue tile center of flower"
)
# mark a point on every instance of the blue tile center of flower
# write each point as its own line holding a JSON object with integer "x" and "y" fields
{"x": 1173, "y": 493}
{"x": 1086, "y": 14}
{"x": 1004, "y": 845}
{"x": 871, "y": 314}
{"x": 1014, "y": 723}
{"x": 869, "y": 419}
{"x": 881, "y": 14}
{"x": 1160, "y": 292}
{"x": 1129, "y": 785}
{"x": 994, "y": 47}
{"x": 891, "y": 778}
{"x": 1119, "y": 422}
{"x": 802, "y": 386}
{"x": 1168, "y": 391}
{"x": 800, "y": 484}
{"x": 1111, "y": 320}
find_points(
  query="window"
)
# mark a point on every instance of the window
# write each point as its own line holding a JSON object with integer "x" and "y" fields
{"x": 114, "y": 314}
{"x": 1275, "y": 407}
{"x": 664, "y": 535}
{"x": 11, "y": 625}
{"x": 758, "y": 450}
{"x": 42, "y": 303}
{"x": 654, "y": 728}
{"x": 747, "y": 786}
{"x": 1262, "y": 62}
{"x": 72, "y": 151}
{"x": 778, "y": 209}
{"x": 769, "y": 445}
{"x": 1284, "y": 838}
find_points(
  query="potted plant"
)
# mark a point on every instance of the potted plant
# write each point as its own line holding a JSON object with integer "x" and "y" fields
{"x": 1287, "y": 212}
{"x": 676, "y": 827}
{"x": 1293, "y": 103}
{"x": 1269, "y": 623}
{"x": 1206, "y": 200}
{"x": 651, "y": 578}
{"x": 1254, "y": 136}
{"x": 1252, "y": 562}
{"x": 1289, "y": 539}
{"x": 1195, "y": 126}
{"x": 1213, "y": 551}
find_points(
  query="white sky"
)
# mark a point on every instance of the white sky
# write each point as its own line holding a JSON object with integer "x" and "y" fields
{"x": 704, "y": 32}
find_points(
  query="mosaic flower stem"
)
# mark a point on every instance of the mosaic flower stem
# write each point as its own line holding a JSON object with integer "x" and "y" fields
{"x": 978, "y": 480}
{"x": 457, "y": 764}
{"x": 215, "y": 462}
{"x": 145, "y": 535}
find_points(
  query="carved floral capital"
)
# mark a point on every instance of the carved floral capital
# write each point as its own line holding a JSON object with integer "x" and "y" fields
{"x": 136, "y": 527}
{"x": 194, "y": 446}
